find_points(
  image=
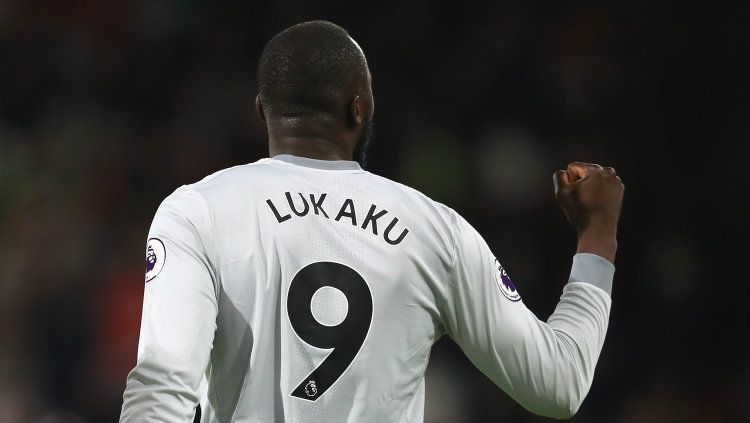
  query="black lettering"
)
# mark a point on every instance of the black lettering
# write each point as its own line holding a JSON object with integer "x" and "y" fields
{"x": 279, "y": 217}
{"x": 388, "y": 230}
{"x": 318, "y": 206}
{"x": 291, "y": 204}
{"x": 350, "y": 214}
{"x": 373, "y": 217}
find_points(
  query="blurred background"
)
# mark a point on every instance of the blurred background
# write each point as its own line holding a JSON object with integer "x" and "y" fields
{"x": 107, "y": 107}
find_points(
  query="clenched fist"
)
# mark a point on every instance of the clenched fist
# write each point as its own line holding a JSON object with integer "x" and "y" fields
{"x": 591, "y": 197}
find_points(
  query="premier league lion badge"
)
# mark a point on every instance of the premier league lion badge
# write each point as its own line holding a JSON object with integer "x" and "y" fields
{"x": 156, "y": 254}
{"x": 311, "y": 389}
{"x": 504, "y": 282}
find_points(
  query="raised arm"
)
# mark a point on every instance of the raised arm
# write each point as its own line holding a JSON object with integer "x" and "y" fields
{"x": 547, "y": 367}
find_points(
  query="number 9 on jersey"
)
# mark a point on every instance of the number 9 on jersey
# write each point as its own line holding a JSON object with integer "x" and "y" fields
{"x": 345, "y": 339}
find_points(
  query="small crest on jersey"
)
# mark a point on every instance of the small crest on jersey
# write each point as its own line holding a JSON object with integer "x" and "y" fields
{"x": 504, "y": 282}
{"x": 311, "y": 389}
{"x": 156, "y": 254}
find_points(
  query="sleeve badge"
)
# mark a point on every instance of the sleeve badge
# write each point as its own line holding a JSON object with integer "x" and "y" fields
{"x": 504, "y": 283}
{"x": 156, "y": 254}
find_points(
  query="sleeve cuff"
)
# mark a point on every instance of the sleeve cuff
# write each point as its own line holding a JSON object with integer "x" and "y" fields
{"x": 594, "y": 270}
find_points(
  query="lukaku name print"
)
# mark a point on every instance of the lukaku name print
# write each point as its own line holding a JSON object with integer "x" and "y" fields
{"x": 300, "y": 205}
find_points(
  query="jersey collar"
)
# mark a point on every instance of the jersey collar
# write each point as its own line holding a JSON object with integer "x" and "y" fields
{"x": 318, "y": 164}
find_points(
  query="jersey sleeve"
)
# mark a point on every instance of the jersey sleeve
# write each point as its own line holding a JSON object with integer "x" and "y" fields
{"x": 179, "y": 314}
{"x": 547, "y": 367}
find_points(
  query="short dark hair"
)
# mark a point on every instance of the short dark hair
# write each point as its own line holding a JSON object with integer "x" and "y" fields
{"x": 310, "y": 70}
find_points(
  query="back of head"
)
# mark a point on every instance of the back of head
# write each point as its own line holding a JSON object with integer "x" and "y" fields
{"x": 311, "y": 70}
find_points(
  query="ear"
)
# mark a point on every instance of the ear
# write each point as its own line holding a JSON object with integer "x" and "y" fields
{"x": 259, "y": 108}
{"x": 356, "y": 111}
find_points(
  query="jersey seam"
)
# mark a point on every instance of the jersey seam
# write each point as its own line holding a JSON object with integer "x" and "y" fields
{"x": 414, "y": 393}
{"x": 218, "y": 173}
{"x": 212, "y": 255}
{"x": 453, "y": 236}
{"x": 451, "y": 273}
{"x": 294, "y": 165}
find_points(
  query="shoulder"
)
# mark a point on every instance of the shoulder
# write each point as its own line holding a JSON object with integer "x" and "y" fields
{"x": 228, "y": 185}
{"x": 415, "y": 198}
{"x": 234, "y": 174}
{"x": 191, "y": 201}
{"x": 437, "y": 222}
{"x": 184, "y": 204}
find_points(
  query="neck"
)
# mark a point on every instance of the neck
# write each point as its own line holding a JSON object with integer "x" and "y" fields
{"x": 310, "y": 147}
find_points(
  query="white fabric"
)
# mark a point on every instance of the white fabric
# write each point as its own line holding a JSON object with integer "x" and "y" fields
{"x": 215, "y": 316}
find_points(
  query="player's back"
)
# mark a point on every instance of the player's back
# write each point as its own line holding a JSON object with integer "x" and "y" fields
{"x": 301, "y": 290}
{"x": 327, "y": 280}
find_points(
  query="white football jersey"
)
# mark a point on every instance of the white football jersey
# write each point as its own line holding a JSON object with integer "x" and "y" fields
{"x": 301, "y": 290}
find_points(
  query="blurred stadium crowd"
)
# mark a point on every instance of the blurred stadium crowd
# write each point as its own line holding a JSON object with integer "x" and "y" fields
{"x": 107, "y": 107}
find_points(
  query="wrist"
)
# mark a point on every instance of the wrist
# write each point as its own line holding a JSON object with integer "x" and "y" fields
{"x": 599, "y": 240}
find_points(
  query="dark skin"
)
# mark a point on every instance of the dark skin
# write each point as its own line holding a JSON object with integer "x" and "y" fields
{"x": 591, "y": 197}
{"x": 329, "y": 139}
{"x": 589, "y": 194}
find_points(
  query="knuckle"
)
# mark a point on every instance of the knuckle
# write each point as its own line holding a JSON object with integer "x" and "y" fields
{"x": 583, "y": 164}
